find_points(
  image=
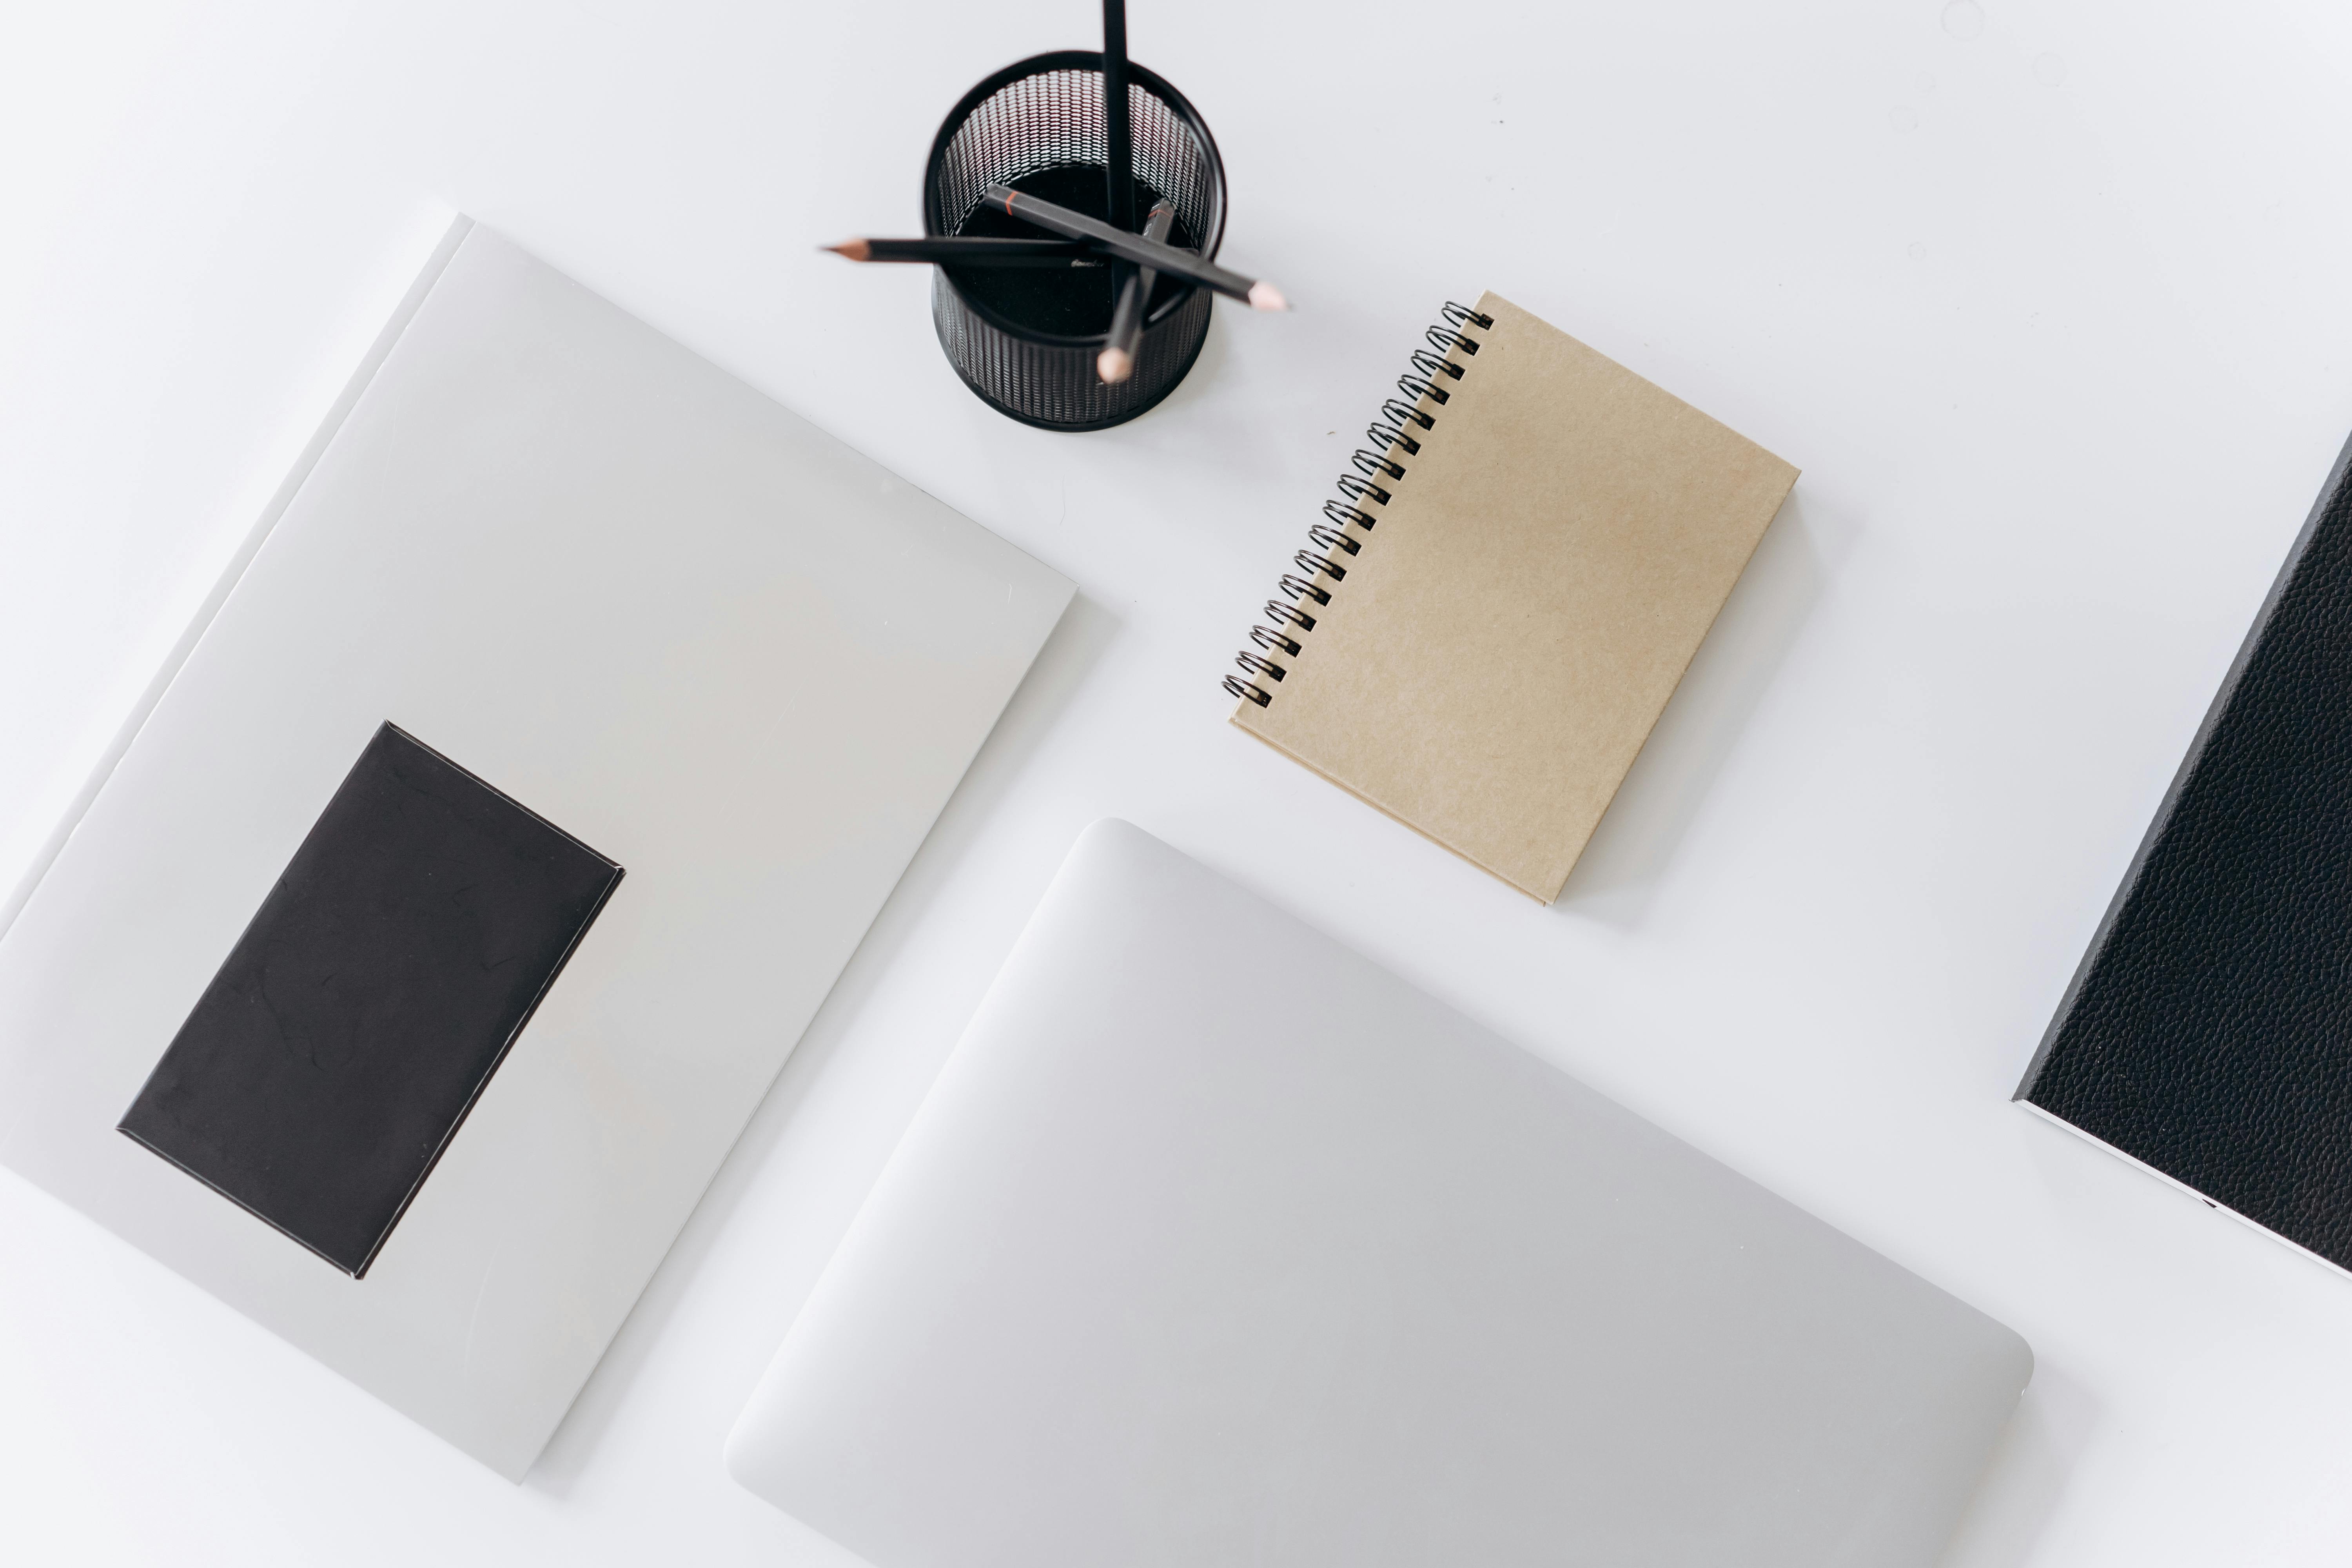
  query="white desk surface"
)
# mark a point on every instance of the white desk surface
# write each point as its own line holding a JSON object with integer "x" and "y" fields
{"x": 2046, "y": 300}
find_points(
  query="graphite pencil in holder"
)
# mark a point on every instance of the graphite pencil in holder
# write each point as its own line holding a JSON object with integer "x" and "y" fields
{"x": 1040, "y": 120}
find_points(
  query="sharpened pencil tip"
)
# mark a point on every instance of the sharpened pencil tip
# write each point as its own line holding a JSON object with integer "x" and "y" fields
{"x": 1265, "y": 295}
{"x": 856, "y": 249}
{"x": 1114, "y": 365}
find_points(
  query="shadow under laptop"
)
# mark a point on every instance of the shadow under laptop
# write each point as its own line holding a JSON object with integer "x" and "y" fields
{"x": 1070, "y": 654}
{"x": 2027, "y": 1474}
{"x": 1643, "y": 828}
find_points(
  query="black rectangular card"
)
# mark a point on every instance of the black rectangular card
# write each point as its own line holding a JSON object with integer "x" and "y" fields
{"x": 362, "y": 1012}
{"x": 2208, "y": 1031}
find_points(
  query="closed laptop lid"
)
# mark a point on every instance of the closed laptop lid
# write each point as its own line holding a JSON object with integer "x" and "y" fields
{"x": 1217, "y": 1243}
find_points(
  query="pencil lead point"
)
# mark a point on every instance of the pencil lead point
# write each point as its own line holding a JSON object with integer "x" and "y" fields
{"x": 856, "y": 249}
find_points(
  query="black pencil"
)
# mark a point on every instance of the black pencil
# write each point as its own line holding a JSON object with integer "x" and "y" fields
{"x": 1117, "y": 362}
{"x": 972, "y": 250}
{"x": 1258, "y": 293}
{"x": 1119, "y": 131}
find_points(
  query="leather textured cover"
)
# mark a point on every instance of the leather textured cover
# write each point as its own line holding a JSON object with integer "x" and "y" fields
{"x": 2208, "y": 1031}
{"x": 364, "y": 1011}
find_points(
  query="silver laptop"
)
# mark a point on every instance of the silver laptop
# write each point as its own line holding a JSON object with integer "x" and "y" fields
{"x": 1216, "y": 1244}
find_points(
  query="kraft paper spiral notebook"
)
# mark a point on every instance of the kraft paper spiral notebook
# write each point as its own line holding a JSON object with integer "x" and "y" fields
{"x": 1508, "y": 590}
{"x": 2207, "y": 1035}
{"x": 406, "y": 1068}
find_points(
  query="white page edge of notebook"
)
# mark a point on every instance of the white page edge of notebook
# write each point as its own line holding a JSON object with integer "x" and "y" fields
{"x": 2177, "y": 1185}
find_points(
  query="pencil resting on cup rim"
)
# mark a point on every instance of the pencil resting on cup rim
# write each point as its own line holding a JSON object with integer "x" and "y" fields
{"x": 1257, "y": 293}
{"x": 1117, "y": 360}
{"x": 972, "y": 250}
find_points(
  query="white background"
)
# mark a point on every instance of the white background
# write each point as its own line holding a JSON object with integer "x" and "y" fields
{"x": 2045, "y": 300}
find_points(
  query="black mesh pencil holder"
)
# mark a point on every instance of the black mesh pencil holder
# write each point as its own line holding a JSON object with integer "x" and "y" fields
{"x": 1026, "y": 339}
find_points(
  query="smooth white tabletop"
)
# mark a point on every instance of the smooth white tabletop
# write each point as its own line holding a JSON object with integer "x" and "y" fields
{"x": 2046, "y": 300}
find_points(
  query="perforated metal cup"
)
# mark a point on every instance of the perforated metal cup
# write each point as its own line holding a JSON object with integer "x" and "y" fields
{"x": 1042, "y": 113}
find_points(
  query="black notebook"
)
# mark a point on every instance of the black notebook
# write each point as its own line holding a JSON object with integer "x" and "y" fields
{"x": 2208, "y": 1031}
{"x": 361, "y": 1014}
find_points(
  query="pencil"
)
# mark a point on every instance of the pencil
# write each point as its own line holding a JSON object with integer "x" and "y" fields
{"x": 971, "y": 250}
{"x": 1260, "y": 294}
{"x": 1118, "y": 131}
{"x": 1117, "y": 362}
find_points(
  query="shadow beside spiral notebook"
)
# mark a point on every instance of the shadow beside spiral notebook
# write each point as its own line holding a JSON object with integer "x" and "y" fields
{"x": 1669, "y": 781}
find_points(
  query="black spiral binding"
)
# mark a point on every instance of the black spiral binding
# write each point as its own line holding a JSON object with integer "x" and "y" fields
{"x": 1349, "y": 520}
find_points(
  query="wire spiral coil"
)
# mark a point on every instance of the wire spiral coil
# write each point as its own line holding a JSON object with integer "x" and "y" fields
{"x": 1348, "y": 518}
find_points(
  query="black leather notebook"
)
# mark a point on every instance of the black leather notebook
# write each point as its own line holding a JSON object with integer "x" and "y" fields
{"x": 2208, "y": 1031}
{"x": 361, "y": 1014}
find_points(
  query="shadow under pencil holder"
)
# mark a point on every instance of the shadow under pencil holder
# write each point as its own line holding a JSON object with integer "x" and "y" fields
{"x": 1026, "y": 339}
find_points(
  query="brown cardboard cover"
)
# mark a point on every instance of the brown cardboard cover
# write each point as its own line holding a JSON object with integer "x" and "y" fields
{"x": 1526, "y": 603}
